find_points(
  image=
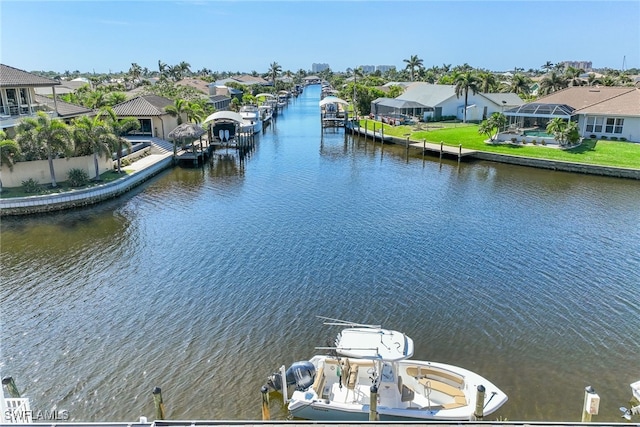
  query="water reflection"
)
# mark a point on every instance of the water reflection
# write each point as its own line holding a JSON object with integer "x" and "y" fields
{"x": 204, "y": 280}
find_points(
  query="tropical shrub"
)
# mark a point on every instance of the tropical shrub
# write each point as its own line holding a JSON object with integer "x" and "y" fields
{"x": 78, "y": 178}
{"x": 31, "y": 186}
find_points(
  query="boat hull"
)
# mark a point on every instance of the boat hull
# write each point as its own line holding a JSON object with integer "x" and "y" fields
{"x": 409, "y": 390}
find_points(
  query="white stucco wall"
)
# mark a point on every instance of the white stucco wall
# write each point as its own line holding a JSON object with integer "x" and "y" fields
{"x": 39, "y": 170}
{"x": 630, "y": 128}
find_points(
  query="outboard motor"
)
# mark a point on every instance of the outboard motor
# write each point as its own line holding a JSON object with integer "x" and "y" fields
{"x": 300, "y": 374}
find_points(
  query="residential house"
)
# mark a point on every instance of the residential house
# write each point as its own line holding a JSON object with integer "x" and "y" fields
{"x": 18, "y": 96}
{"x": 435, "y": 102}
{"x": 600, "y": 111}
{"x": 150, "y": 111}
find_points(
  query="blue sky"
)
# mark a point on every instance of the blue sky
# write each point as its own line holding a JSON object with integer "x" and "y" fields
{"x": 104, "y": 36}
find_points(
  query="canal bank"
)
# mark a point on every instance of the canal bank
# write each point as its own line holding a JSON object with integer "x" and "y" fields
{"x": 138, "y": 172}
{"x": 143, "y": 169}
{"x": 555, "y": 165}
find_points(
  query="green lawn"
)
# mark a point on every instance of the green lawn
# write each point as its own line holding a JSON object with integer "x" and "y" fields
{"x": 61, "y": 188}
{"x": 596, "y": 152}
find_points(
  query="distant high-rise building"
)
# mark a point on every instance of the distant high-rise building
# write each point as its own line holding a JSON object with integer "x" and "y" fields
{"x": 368, "y": 69}
{"x": 385, "y": 68}
{"x": 316, "y": 68}
{"x": 583, "y": 65}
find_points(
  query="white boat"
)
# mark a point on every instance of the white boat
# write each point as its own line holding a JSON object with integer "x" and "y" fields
{"x": 252, "y": 122}
{"x": 369, "y": 360}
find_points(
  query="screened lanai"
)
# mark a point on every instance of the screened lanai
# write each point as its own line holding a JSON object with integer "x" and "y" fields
{"x": 536, "y": 116}
{"x": 394, "y": 107}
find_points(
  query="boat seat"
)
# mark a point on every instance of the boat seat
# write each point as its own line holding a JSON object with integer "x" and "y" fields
{"x": 441, "y": 387}
{"x": 421, "y": 371}
{"x": 353, "y": 377}
{"x": 346, "y": 371}
{"x": 406, "y": 393}
{"x": 318, "y": 382}
{"x": 458, "y": 402}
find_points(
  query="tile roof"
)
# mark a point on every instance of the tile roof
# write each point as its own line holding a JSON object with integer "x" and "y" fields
{"x": 13, "y": 77}
{"x": 145, "y": 105}
{"x": 619, "y": 100}
{"x": 64, "y": 108}
{"x": 198, "y": 84}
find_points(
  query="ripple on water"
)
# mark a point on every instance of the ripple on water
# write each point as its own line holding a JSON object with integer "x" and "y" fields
{"x": 204, "y": 281}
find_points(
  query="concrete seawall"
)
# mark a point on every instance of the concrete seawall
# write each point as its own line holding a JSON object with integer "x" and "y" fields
{"x": 560, "y": 166}
{"x": 584, "y": 168}
{"x": 143, "y": 170}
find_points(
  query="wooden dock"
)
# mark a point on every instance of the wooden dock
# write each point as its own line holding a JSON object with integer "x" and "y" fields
{"x": 442, "y": 149}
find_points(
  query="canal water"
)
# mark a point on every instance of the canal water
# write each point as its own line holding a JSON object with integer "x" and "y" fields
{"x": 203, "y": 281}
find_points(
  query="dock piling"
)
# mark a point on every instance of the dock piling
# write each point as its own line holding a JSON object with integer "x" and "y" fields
{"x": 10, "y": 384}
{"x": 373, "y": 403}
{"x": 591, "y": 404}
{"x": 478, "y": 414}
{"x": 265, "y": 403}
{"x": 158, "y": 403}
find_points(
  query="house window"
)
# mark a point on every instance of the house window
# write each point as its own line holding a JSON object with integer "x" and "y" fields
{"x": 145, "y": 126}
{"x": 12, "y": 101}
{"x": 594, "y": 124}
{"x": 614, "y": 125}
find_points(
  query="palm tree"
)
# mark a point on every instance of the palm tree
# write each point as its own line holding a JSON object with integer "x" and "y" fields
{"x": 194, "y": 111}
{"x": 96, "y": 100}
{"x": 592, "y": 79}
{"x": 487, "y": 82}
{"x": 8, "y": 150}
{"x": 552, "y": 83}
{"x": 274, "y": 72}
{"x": 96, "y": 136}
{"x": 547, "y": 66}
{"x": 573, "y": 76}
{"x": 162, "y": 68}
{"x": 608, "y": 80}
{"x": 177, "y": 109}
{"x": 185, "y": 69}
{"x": 120, "y": 127}
{"x": 135, "y": 71}
{"x": 52, "y": 133}
{"x": 412, "y": 63}
{"x": 115, "y": 98}
{"x": 492, "y": 126}
{"x": 519, "y": 84}
{"x": 564, "y": 132}
{"x": 465, "y": 82}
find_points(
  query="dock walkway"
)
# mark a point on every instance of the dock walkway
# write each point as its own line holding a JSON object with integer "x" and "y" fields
{"x": 441, "y": 148}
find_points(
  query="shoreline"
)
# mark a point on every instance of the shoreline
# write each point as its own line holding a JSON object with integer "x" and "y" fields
{"x": 152, "y": 165}
{"x": 556, "y": 165}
